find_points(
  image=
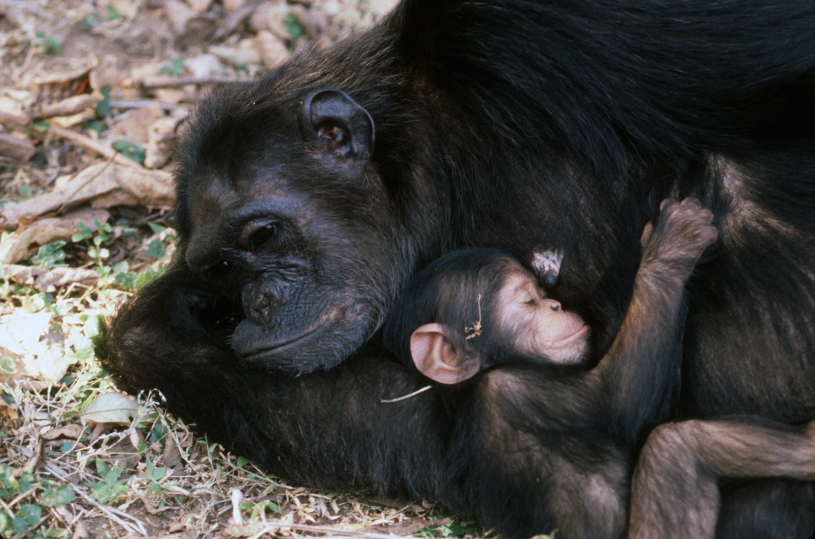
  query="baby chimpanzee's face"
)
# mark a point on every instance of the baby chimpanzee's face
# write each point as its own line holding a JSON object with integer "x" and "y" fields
{"x": 538, "y": 324}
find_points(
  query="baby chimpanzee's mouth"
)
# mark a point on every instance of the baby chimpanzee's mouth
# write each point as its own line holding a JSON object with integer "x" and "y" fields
{"x": 571, "y": 338}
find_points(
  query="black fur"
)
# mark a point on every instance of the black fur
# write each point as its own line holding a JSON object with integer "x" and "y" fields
{"x": 515, "y": 124}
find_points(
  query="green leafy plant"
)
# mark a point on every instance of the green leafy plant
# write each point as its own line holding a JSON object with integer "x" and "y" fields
{"x": 175, "y": 68}
{"x": 153, "y": 477}
{"x": 111, "y": 488}
{"x": 134, "y": 152}
{"x": 93, "y": 241}
{"x": 45, "y": 45}
{"x": 57, "y": 494}
{"x": 81, "y": 345}
{"x": 261, "y": 507}
{"x": 20, "y": 489}
{"x": 7, "y": 365}
{"x": 50, "y": 255}
{"x": 293, "y": 26}
{"x": 103, "y": 106}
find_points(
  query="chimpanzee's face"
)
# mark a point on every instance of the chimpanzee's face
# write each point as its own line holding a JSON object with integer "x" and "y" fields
{"x": 537, "y": 324}
{"x": 285, "y": 215}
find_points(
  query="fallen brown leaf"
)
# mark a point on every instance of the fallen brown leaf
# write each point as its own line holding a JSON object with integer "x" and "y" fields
{"x": 49, "y": 280}
{"x": 25, "y": 242}
{"x": 102, "y": 185}
{"x": 17, "y": 148}
{"x": 136, "y": 125}
{"x": 68, "y": 431}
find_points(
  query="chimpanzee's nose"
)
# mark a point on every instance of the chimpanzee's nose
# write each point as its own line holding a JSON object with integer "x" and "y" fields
{"x": 554, "y": 305}
{"x": 259, "y": 303}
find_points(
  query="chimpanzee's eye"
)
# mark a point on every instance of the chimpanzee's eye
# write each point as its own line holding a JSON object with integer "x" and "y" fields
{"x": 262, "y": 235}
{"x": 531, "y": 302}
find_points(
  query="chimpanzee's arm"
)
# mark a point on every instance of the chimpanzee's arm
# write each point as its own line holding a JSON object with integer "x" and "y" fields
{"x": 638, "y": 376}
{"x": 675, "y": 490}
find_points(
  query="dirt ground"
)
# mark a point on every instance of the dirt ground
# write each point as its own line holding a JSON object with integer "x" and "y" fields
{"x": 92, "y": 96}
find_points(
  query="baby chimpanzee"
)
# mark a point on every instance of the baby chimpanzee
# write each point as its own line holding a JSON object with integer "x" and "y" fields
{"x": 565, "y": 440}
{"x": 476, "y": 308}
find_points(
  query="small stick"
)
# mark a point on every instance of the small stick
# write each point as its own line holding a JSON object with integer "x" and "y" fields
{"x": 171, "y": 82}
{"x": 476, "y": 328}
{"x": 92, "y": 145}
{"x": 403, "y": 397}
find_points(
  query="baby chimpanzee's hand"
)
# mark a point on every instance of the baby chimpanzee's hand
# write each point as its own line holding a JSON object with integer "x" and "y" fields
{"x": 682, "y": 233}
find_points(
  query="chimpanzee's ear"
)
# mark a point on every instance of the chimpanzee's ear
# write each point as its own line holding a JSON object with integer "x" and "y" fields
{"x": 338, "y": 126}
{"x": 439, "y": 358}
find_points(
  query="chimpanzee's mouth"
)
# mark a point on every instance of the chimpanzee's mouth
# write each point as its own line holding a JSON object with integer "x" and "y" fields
{"x": 265, "y": 349}
{"x": 581, "y": 331}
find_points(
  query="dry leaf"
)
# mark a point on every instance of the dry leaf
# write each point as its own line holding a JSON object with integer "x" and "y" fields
{"x": 24, "y": 243}
{"x": 136, "y": 125}
{"x": 272, "y": 49}
{"x": 205, "y": 66}
{"x": 172, "y": 455}
{"x": 37, "y": 353}
{"x": 125, "y": 8}
{"x": 70, "y": 106}
{"x": 161, "y": 139}
{"x": 315, "y": 23}
{"x": 111, "y": 71}
{"x": 12, "y": 107}
{"x": 49, "y": 280}
{"x": 179, "y": 13}
{"x": 16, "y": 148}
{"x": 170, "y": 96}
{"x": 103, "y": 185}
{"x": 268, "y": 16}
{"x": 7, "y": 418}
{"x": 244, "y": 53}
{"x": 182, "y": 535}
{"x": 68, "y": 431}
{"x": 111, "y": 408}
{"x": 199, "y": 6}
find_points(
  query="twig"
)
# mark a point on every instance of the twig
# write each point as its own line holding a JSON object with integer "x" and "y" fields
{"x": 145, "y": 103}
{"x": 403, "y": 397}
{"x": 90, "y": 144}
{"x": 149, "y": 83}
{"x": 475, "y": 329}
{"x": 234, "y": 19}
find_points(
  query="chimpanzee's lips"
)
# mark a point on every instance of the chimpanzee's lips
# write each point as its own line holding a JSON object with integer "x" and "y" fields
{"x": 571, "y": 338}
{"x": 323, "y": 324}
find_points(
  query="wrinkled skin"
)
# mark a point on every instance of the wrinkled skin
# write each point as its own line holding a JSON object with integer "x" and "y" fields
{"x": 306, "y": 200}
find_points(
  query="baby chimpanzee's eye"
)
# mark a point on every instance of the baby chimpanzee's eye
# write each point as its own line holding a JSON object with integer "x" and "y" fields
{"x": 531, "y": 302}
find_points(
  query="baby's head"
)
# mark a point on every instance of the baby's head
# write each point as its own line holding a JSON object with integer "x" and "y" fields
{"x": 475, "y": 308}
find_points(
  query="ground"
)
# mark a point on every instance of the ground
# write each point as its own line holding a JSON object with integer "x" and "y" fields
{"x": 92, "y": 96}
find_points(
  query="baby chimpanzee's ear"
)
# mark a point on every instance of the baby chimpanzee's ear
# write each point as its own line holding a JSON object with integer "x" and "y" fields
{"x": 439, "y": 357}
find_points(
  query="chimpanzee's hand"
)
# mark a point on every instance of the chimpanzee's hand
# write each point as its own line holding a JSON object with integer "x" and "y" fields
{"x": 682, "y": 233}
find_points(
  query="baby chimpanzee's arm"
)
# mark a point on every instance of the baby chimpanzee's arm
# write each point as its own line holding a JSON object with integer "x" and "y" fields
{"x": 639, "y": 374}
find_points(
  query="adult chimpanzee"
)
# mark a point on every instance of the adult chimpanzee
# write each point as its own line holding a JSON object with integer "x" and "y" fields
{"x": 306, "y": 199}
{"x": 477, "y": 309}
